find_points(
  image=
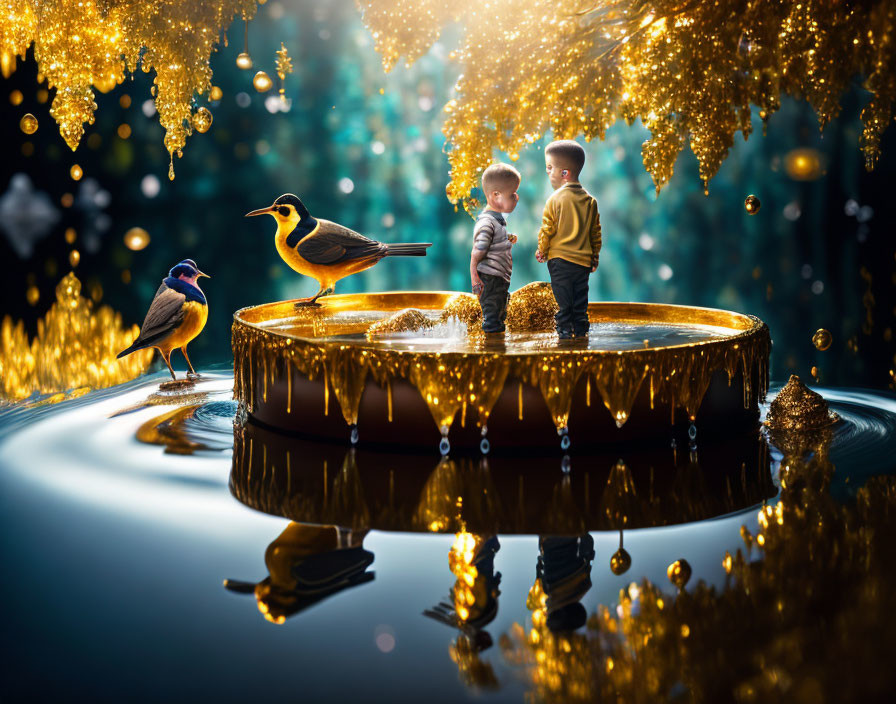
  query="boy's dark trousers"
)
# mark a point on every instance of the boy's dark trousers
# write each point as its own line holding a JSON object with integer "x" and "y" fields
{"x": 494, "y": 302}
{"x": 569, "y": 283}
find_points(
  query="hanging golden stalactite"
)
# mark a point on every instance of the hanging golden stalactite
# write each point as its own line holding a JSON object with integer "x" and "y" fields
{"x": 690, "y": 71}
{"x": 82, "y": 45}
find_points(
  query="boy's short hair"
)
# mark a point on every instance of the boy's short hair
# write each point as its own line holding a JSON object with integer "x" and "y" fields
{"x": 570, "y": 152}
{"x": 498, "y": 176}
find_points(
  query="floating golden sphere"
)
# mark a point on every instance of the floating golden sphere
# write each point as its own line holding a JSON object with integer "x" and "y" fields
{"x": 136, "y": 239}
{"x": 28, "y": 123}
{"x": 262, "y": 82}
{"x": 244, "y": 61}
{"x": 679, "y": 572}
{"x": 620, "y": 562}
{"x": 215, "y": 93}
{"x": 76, "y": 172}
{"x": 202, "y": 120}
{"x": 71, "y": 235}
{"x": 33, "y": 295}
{"x": 822, "y": 339}
{"x": 74, "y": 258}
{"x": 16, "y": 97}
{"x": 752, "y": 204}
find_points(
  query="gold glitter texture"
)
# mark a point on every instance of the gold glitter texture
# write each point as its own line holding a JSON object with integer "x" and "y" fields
{"x": 797, "y": 407}
{"x": 74, "y": 349}
{"x": 691, "y": 72}
{"x": 80, "y": 45}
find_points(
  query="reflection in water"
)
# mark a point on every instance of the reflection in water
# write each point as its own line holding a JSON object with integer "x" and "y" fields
{"x": 307, "y": 564}
{"x": 472, "y": 604}
{"x": 313, "y": 482}
{"x": 808, "y": 622}
{"x": 563, "y": 577}
{"x": 189, "y": 429}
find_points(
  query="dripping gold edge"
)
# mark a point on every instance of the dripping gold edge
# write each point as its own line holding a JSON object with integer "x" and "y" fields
{"x": 305, "y": 382}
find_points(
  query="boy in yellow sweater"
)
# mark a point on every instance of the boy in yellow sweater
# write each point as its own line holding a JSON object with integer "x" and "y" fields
{"x": 569, "y": 239}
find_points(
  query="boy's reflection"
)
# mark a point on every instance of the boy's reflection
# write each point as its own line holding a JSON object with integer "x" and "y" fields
{"x": 472, "y": 605}
{"x": 564, "y": 574}
{"x": 307, "y": 563}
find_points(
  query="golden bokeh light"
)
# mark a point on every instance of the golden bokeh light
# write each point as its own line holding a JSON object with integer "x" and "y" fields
{"x": 16, "y": 97}
{"x": 803, "y": 164}
{"x": 215, "y": 93}
{"x": 76, "y": 172}
{"x": 136, "y": 239}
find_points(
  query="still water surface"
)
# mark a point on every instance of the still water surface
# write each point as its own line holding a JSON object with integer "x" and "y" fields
{"x": 123, "y": 515}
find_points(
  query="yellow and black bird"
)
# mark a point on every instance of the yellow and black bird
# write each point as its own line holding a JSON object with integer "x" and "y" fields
{"x": 324, "y": 250}
{"x": 176, "y": 316}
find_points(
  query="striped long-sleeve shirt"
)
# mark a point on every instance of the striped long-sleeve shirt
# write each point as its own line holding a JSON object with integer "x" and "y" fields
{"x": 490, "y": 236}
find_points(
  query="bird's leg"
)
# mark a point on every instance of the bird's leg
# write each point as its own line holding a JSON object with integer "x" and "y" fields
{"x": 189, "y": 364}
{"x": 310, "y": 301}
{"x": 167, "y": 357}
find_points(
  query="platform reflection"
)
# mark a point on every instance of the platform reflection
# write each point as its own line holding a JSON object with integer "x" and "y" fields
{"x": 328, "y": 484}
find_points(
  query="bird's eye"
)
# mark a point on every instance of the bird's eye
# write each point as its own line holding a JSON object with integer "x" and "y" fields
{"x": 283, "y": 210}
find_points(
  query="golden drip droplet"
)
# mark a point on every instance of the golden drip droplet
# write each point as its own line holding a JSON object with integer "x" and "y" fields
{"x": 679, "y": 573}
{"x": 202, "y": 120}
{"x": 752, "y": 204}
{"x": 262, "y": 82}
{"x": 822, "y": 339}
{"x": 28, "y": 123}
{"x": 215, "y": 93}
{"x": 76, "y": 172}
{"x": 171, "y": 168}
{"x": 244, "y": 61}
{"x": 74, "y": 258}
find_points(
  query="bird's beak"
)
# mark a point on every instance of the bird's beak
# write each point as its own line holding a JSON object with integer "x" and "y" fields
{"x": 201, "y": 274}
{"x": 261, "y": 211}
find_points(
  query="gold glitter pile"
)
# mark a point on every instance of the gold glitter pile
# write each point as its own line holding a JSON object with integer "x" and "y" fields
{"x": 797, "y": 407}
{"x": 82, "y": 45}
{"x": 532, "y": 308}
{"x": 74, "y": 349}
{"x": 690, "y": 71}
{"x": 465, "y": 307}
{"x": 405, "y": 320}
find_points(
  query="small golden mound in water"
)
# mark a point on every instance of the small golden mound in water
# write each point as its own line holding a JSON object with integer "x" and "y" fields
{"x": 405, "y": 320}
{"x": 532, "y": 308}
{"x": 464, "y": 307}
{"x": 797, "y": 407}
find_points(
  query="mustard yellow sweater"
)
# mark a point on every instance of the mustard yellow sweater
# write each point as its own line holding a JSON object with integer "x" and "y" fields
{"x": 570, "y": 226}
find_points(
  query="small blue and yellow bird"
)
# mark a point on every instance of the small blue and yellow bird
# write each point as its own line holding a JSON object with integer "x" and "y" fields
{"x": 324, "y": 250}
{"x": 176, "y": 316}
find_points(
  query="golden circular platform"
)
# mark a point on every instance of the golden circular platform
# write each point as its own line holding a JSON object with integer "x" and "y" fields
{"x": 351, "y": 368}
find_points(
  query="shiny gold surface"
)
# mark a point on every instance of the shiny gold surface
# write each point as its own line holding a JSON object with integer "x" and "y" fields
{"x": 275, "y": 341}
{"x": 74, "y": 349}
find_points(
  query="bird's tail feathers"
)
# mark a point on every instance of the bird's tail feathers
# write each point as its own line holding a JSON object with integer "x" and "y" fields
{"x": 408, "y": 249}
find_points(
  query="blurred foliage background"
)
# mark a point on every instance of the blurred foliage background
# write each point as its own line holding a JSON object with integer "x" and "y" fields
{"x": 365, "y": 149}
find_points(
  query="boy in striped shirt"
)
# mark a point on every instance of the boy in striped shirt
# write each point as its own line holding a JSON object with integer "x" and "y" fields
{"x": 491, "y": 261}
